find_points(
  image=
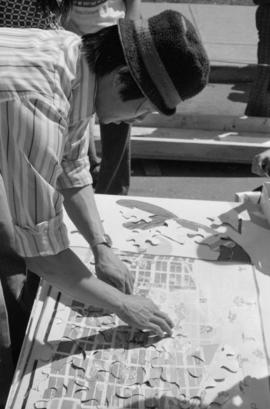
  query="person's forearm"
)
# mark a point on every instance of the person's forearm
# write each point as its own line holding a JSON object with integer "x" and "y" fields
{"x": 72, "y": 277}
{"x": 81, "y": 207}
{"x": 66, "y": 272}
{"x": 133, "y": 9}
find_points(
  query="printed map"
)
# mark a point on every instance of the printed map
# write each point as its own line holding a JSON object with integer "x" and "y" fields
{"x": 84, "y": 358}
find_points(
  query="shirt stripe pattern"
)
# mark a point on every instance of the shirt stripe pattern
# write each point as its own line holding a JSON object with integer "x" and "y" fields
{"x": 43, "y": 138}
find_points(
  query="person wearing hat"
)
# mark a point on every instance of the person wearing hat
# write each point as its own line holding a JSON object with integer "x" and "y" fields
{"x": 259, "y": 96}
{"x": 111, "y": 175}
{"x": 122, "y": 73}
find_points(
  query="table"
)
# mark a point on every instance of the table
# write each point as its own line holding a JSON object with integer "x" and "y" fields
{"x": 206, "y": 264}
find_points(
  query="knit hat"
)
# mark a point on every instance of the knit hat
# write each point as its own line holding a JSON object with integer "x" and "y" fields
{"x": 166, "y": 58}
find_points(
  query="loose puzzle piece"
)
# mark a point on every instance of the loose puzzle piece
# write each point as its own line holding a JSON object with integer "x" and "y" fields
{"x": 214, "y": 242}
{"x": 41, "y": 379}
{"x": 142, "y": 237}
{"x": 136, "y": 215}
{"x": 173, "y": 231}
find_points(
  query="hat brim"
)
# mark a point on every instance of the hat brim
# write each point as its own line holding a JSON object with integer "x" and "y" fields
{"x": 129, "y": 40}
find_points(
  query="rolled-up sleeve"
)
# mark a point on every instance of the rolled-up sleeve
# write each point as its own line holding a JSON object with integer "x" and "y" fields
{"x": 75, "y": 163}
{"x": 43, "y": 239}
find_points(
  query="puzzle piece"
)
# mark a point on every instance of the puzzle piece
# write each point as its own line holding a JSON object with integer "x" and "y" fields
{"x": 164, "y": 358}
{"x": 119, "y": 370}
{"x": 95, "y": 367}
{"x": 168, "y": 401}
{"x": 57, "y": 403}
{"x": 136, "y": 215}
{"x": 135, "y": 375}
{"x": 214, "y": 242}
{"x": 41, "y": 379}
{"x": 78, "y": 365}
{"x": 230, "y": 218}
{"x": 174, "y": 375}
{"x": 107, "y": 320}
{"x": 94, "y": 396}
{"x": 142, "y": 237}
{"x": 170, "y": 388}
{"x": 81, "y": 385}
{"x": 124, "y": 393}
{"x": 171, "y": 230}
{"x": 169, "y": 344}
{"x": 153, "y": 376}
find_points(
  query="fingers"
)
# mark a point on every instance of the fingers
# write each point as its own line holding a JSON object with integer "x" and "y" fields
{"x": 163, "y": 315}
{"x": 265, "y": 166}
{"x": 162, "y": 325}
{"x": 129, "y": 283}
{"x": 256, "y": 166}
{"x": 124, "y": 284}
{"x": 119, "y": 284}
{"x": 261, "y": 164}
{"x": 156, "y": 329}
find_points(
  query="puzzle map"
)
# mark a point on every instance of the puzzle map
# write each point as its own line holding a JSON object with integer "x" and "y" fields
{"x": 78, "y": 357}
{"x": 84, "y": 358}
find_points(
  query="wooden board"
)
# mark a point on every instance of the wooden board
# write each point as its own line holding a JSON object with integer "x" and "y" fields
{"x": 194, "y": 144}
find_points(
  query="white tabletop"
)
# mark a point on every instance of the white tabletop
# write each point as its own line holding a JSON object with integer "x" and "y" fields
{"x": 196, "y": 266}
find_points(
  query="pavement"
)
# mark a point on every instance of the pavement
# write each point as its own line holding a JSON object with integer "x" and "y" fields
{"x": 230, "y": 37}
{"x": 227, "y": 32}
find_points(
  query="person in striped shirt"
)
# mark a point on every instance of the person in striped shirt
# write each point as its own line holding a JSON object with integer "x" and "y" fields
{"x": 51, "y": 82}
{"x": 17, "y": 285}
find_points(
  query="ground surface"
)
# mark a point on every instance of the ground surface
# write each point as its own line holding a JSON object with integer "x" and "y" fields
{"x": 189, "y": 180}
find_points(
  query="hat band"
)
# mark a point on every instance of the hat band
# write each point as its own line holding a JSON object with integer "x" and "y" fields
{"x": 154, "y": 65}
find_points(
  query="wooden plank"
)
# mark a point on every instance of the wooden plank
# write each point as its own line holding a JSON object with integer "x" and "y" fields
{"x": 171, "y": 149}
{"x": 192, "y": 144}
{"x": 195, "y": 134}
{"x": 226, "y": 123}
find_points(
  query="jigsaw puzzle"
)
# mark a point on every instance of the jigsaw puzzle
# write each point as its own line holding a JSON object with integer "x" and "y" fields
{"x": 81, "y": 358}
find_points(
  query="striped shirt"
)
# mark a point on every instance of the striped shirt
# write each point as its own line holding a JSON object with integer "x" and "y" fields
{"x": 46, "y": 100}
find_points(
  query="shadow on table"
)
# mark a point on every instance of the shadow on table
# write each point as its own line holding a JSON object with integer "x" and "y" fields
{"x": 250, "y": 393}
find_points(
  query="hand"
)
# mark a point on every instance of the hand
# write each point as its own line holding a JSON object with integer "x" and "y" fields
{"x": 112, "y": 270}
{"x": 261, "y": 163}
{"x": 143, "y": 313}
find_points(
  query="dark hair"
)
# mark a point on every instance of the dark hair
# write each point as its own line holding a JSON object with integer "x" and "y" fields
{"x": 104, "y": 53}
